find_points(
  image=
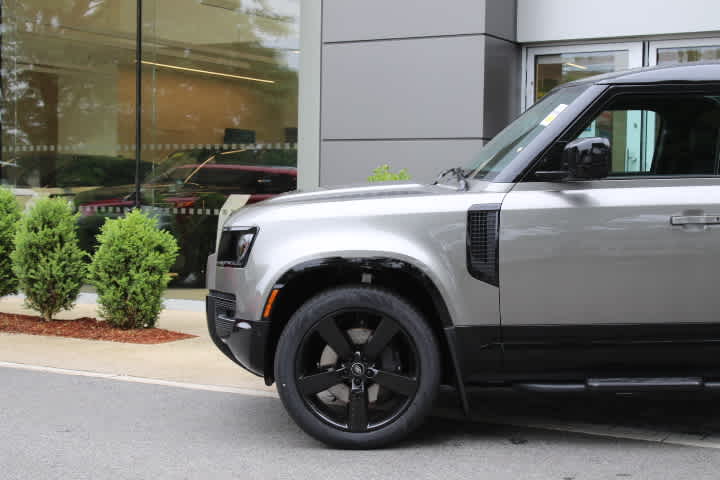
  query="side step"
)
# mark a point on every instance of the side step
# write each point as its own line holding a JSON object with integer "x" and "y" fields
{"x": 685, "y": 384}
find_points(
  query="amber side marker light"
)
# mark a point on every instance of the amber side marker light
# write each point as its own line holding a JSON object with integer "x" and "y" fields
{"x": 270, "y": 302}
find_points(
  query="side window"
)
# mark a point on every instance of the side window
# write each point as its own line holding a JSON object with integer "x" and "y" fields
{"x": 661, "y": 134}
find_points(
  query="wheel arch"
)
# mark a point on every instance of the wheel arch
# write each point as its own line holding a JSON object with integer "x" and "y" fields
{"x": 309, "y": 278}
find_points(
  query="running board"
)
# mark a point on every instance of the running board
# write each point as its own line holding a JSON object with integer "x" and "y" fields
{"x": 685, "y": 384}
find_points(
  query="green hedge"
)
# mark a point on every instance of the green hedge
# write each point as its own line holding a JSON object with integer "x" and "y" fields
{"x": 131, "y": 269}
{"x": 9, "y": 217}
{"x": 47, "y": 259}
{"x": 383, "y": 174}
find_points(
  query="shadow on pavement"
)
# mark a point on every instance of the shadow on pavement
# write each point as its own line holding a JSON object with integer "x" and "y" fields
{"x": 686, "y": 413}
{"x": 693, "y": 414}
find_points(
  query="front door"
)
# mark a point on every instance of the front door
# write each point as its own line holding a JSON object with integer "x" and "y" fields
{"x": 605, "y": 275}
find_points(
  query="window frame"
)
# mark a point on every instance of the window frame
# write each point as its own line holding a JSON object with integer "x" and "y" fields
{"x": 600, "y": 104}
{"x": 634, "y": 49}
{"x": 655, "y": 45}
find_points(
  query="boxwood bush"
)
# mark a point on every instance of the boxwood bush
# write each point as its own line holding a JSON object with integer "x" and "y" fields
{"x": 9, "y": 216}
{"x": 131, "y": 269}
{"x": 383, "y": 174}
{"x": 47, "y": 260}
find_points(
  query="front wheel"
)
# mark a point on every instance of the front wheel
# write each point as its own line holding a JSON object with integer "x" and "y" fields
{"x": 357, "y": 367}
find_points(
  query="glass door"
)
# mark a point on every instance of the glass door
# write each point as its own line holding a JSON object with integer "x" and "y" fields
{"x": 670, "y": 52}
{"x": 548, "y": 67}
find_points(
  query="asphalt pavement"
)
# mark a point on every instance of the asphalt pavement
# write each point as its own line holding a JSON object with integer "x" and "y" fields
{"x": 55, "y": 426}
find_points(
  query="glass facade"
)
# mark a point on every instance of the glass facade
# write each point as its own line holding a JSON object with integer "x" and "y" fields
{"x": 705, "y": 53}
{"x": 555, "y": 69}
{"x": 219, "y": 96}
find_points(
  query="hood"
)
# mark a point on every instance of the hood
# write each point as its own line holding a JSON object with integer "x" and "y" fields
{"x": 356, "y": 193}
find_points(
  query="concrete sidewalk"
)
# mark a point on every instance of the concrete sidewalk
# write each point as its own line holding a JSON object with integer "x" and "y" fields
{"x": 195, "y": 360}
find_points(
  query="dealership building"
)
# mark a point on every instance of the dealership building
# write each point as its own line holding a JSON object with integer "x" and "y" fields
{"x": 176, "y": 104}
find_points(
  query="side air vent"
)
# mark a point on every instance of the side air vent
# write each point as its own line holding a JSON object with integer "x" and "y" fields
{"x": 483, "y": 231}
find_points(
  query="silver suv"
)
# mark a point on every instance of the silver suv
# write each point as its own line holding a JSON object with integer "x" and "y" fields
{"x": 579, "y": 252}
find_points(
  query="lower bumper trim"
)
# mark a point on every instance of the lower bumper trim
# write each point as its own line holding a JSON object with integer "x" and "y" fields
{"x": 243, "y": 341}
{"x": 247, "y": 343}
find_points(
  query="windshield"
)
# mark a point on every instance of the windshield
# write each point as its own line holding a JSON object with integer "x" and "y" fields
{"x": 506, "y": 145}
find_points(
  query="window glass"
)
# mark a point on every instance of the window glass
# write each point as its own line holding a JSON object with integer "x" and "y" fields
{"x": 513, "y": 139}
{"x": 556, "y": 69}
{"x": 220, "y": 98}
{"x": 661, "y": 135}
{"x": 219, "y": 110}
{"x": 666, "y": 56}
{"x": 68, "y": 101}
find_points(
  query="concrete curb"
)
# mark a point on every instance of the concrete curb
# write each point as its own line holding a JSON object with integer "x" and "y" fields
{"x": 152, "y": 381}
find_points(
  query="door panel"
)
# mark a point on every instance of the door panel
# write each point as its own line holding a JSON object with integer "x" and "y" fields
{"x": 606, "y": 252}
{"x": 594, "y": 253}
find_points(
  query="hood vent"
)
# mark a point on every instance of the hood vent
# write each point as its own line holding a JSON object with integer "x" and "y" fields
{"x": 483, "y": 233}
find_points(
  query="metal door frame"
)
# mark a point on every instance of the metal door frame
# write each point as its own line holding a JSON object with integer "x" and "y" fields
{"x": 655, "y": 45}
{"x": 635, "y": 59}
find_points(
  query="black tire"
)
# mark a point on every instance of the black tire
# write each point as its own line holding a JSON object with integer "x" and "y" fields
{"x": 406, "y": 369}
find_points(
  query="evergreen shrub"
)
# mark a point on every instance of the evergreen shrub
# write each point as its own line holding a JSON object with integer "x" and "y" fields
{"x": 9, "y": 217}
{"x": 47, "y": 260}
{"x": 131, "y": 269}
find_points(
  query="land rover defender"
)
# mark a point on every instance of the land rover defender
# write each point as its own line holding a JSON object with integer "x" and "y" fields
{"x": 579, "y": 252}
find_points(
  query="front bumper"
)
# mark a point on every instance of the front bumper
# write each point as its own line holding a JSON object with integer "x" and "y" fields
{"x": 243, "y": 341}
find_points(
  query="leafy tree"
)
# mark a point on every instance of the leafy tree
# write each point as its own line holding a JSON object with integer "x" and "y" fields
{"x": 383, "y": 174}
{"x": 131, "y": 269}
{"x": 9, "y": 216}
{"x": 47, "y": 259}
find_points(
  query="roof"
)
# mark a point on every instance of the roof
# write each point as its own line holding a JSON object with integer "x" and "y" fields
{"x": 701, "y": 72}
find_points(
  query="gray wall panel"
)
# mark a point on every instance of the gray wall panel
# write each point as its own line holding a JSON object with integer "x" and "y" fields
{"x": 501, "y": 18}
{"x": 345, "y": 20}
{"x": 502, "y": 85}
{"x": 351, "y": 162}
{"x": 419, "y": 88}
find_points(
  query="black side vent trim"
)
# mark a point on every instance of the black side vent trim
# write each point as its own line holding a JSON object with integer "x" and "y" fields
{"x": 483, "y": 235}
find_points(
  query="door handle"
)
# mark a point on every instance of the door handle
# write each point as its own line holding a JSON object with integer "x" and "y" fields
{"x": 695, "y": 220}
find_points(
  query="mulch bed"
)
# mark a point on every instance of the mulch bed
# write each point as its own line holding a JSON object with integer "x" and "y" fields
{"x": 88, "y": 328}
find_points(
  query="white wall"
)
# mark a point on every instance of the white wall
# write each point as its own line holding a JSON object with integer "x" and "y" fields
{"x": 550, "y": 20}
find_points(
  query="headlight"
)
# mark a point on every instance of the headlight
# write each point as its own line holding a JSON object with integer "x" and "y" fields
{"x": 235, "y": 246}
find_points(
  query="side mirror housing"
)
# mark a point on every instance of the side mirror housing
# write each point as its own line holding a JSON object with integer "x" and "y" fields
{"x": 588, "y": 158}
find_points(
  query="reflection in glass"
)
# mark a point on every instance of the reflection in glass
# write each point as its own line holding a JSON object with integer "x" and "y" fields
{"x": 680, "y": 134}
{"x": 67, "y": 99}
{"x": 667, "y": 56}
{"x": 554, "y": 70}
{"x": 513, "y": 139}
{"x": 219, "y": 113}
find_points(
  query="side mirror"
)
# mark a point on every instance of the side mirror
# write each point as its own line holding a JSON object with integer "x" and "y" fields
{"x": 588, "y": 158}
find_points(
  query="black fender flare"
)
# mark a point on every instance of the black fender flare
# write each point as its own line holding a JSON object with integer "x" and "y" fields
{"x": 381, "y": 264}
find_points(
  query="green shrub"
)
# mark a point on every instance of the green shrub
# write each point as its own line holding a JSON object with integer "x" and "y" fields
{"x": 47, "y": 260}
{"x": 383, "y": 174}
{"x": 131, "y": 268}
{"x": 9, "y": 216}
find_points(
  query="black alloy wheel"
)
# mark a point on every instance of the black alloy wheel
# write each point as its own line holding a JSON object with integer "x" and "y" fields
{"x": 357, "y": 367}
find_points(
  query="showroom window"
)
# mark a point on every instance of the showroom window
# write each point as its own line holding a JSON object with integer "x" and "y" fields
{"x": 548, "y": 67}
{"x": 632, "y": 131}
{"x": 668, "y": 52}
{"x": 219, "y": 89}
